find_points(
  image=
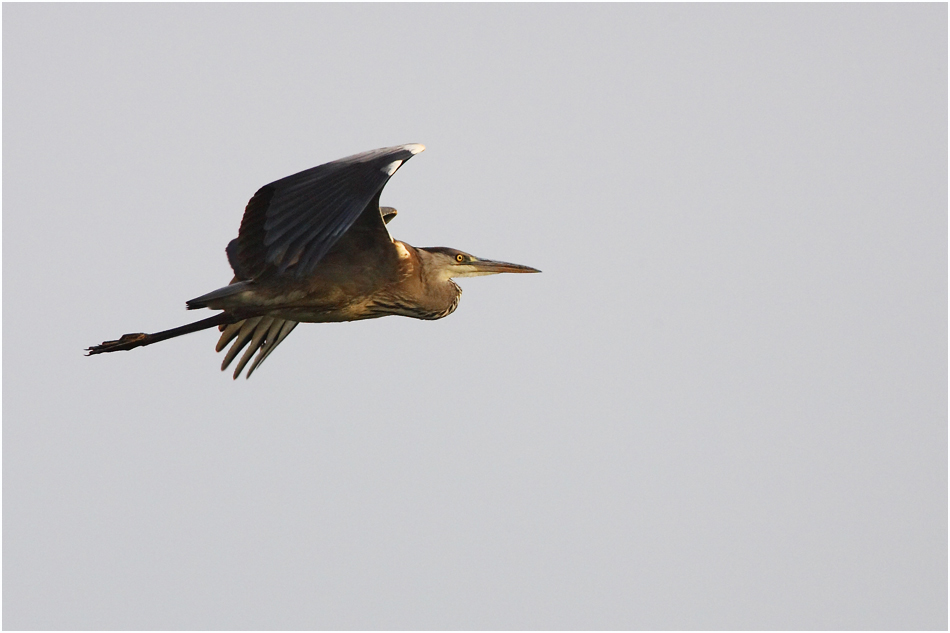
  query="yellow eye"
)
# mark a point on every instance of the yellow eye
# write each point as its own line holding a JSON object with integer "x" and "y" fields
{"x": 460, "y": 258}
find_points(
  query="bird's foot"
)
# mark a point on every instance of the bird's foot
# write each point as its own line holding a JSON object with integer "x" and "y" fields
{"x": 126, "y": 342}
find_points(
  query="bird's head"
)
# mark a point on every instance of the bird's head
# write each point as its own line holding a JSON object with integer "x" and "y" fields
{"x": 448, "y": 263}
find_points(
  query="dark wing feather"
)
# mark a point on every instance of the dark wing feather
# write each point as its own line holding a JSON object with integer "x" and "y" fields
{"x": 290, "y": 224}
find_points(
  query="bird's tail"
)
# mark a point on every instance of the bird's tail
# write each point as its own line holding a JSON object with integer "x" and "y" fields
{"x": 131, "y": 341}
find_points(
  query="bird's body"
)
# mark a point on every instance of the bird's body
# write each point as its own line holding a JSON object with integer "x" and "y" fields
{"x": 340, "y": 291}
{"x": 314, "y": 247}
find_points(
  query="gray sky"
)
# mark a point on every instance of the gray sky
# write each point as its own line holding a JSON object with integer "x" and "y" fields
{"x": 722, "y": 405}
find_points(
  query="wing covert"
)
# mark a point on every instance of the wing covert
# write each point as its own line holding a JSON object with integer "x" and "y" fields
{"x": 291, "y": 223}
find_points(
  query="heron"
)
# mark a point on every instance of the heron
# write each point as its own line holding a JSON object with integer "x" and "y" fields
{"x": 314, "y": 247}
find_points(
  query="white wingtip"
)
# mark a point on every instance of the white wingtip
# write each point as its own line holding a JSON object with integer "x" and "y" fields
{"x": 414, "y": 148}
{"x": 391, "y": 168}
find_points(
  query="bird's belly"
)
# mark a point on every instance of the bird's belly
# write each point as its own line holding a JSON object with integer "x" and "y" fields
{"x": 353, "y": 311}
{"x": 310, "y": 316}
{"x": 315, "y": 302}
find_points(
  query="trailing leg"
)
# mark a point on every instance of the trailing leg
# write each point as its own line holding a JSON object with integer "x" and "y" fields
{"x": 131, "y": 341}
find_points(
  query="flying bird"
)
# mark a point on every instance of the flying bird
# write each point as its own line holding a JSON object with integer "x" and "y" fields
{"x": 314, "y": 248}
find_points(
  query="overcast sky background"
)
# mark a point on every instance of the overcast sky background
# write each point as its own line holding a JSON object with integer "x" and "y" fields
{"x": 722, "y": 405}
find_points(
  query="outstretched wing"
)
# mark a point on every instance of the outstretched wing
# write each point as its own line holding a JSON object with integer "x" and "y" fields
{"x": 259, "y": 334}
{"x": 290, "y": 224}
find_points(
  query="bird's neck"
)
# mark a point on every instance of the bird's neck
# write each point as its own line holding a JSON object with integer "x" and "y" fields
{"x": 440, "y": 295}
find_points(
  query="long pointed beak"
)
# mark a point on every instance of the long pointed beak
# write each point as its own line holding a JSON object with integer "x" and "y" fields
{"x": 490, "y": 266}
